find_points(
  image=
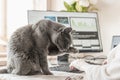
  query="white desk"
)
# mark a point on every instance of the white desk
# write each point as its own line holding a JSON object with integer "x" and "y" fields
{"x": 55, "y": 76}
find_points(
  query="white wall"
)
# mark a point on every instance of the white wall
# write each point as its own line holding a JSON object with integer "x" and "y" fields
{"x": 109, "y": 19}
{"x": 57, "y": 5}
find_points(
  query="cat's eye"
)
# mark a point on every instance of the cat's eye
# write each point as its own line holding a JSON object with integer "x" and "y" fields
{"x": 62, "y": 33}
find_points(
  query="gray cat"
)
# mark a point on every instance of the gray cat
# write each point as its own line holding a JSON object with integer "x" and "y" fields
{"x": 29, "y": 46}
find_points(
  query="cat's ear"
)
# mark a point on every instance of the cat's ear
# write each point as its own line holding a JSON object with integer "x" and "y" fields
{"x": 68, "y": 30}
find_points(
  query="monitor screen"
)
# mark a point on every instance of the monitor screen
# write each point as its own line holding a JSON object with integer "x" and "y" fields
{"x": 115, "y": 41}
{"x": 86, "y": 37}
{"x": 83, "y": 24}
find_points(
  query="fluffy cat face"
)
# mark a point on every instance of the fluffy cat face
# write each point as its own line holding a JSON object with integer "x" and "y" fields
{"x": 63, "y": 40}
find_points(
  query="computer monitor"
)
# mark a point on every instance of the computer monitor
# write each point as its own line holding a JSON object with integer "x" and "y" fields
{"x": 86, "y": 37}
{"x": 115, "y": 41}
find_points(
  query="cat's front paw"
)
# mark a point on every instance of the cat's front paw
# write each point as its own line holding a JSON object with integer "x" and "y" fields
{"x": 74, "y": 50}
{"x": 48, "y": 73}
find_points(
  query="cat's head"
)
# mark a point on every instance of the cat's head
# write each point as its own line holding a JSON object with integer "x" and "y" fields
{"x": 63, "y": 39}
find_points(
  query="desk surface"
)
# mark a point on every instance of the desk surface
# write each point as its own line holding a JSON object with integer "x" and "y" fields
{"x": 56, "y": 76}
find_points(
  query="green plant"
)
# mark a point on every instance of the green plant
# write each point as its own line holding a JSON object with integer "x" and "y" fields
{"x": 80, "y": 6}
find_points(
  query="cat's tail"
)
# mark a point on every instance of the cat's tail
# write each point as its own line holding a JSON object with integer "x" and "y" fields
{"x": 3, "y": 70}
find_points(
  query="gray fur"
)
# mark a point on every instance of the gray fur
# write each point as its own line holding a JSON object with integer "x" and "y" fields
{"x": 29, "y": 46}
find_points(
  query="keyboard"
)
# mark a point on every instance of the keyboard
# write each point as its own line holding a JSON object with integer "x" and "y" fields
{"x": 64, "y": 68}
